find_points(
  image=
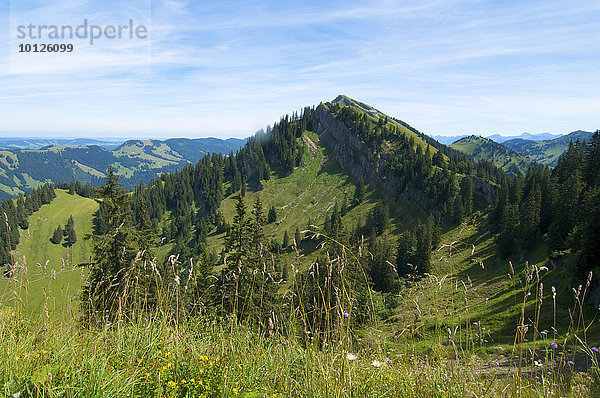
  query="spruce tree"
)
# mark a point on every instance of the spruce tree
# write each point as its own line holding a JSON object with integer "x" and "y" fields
{"x": 108, "y": 290}
{"x": 272, "y": 217}
{"x": 286, "y": 240}
{"x": 57, "y": 236}
{"x": 359, "y": 193}
{"x": 297, "y": 237}
{"x": 71, "y": 237}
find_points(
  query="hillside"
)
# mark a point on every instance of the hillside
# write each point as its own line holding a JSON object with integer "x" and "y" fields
{"x": 136, "y": 161}
{"x": 53, "y": 270}
{"x": 340, "y": 232}
{"x": 478, "y": 148}
{"x": 546, "y": 152}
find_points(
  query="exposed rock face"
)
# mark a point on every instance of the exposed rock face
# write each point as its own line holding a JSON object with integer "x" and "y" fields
{"x": 363, "y": 164}
{"x": 346, "y": 148}
{"x": 484, "y": 189}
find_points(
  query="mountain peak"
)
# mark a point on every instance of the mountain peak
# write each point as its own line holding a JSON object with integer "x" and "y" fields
{"x": 344, "y": 100}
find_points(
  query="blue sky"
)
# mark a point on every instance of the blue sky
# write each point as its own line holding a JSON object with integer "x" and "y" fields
{"x": 228, "y": 68}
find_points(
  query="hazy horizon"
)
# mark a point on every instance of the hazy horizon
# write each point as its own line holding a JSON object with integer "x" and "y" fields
{"x": 110, "y": 138}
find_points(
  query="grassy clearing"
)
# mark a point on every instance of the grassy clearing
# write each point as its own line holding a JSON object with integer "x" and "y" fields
{"x": 51, "y": 270}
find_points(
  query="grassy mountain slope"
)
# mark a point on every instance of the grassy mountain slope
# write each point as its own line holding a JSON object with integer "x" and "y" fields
{"x": 548, "y": 151}
{"x": 135, "y": 161}
{"x": 309, "y": 193}
{"x": 51, "y": 269}
{"x": 483, "y": 148}
{"x": 467, "y": 271}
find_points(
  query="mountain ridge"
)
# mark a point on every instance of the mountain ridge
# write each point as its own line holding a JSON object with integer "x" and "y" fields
{"x": 135, "y": 160}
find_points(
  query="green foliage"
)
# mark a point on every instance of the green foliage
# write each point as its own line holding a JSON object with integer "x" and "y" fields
{"x": 479, "y": 148}
{"x": 117, "y": 279}
{"x": 272, "y": 217}
{"x": 69, "y": 232}
{"x": 546, "y": 152}
{"x": 133, "y": 161}
{"x": 359, "y": 193}
{"x": 57, "y": 236}
{"x": 14, "y": 215}
{"x": 558, "y": 204}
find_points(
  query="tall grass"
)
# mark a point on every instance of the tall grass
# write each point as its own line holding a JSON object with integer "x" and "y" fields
{"x": 151, "y": 350}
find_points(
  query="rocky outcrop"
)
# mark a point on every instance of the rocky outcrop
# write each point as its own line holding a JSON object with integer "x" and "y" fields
{"x": 484, "y": 189}
{"x": 364, "y": 165}
{"x": 346, "y": 148}
{"x": 361, "y": 162}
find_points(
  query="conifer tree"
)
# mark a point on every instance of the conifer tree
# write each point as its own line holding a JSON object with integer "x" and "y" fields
{"x": 71, "y": 237}
{"x": 108, "y": 289}
{"x": 286, "y": 240}
{"x": 272, "y": 217}
{"x": 297, "y": 237}
{"x": 57, "y": 236}
{"x": 359, "y": 193}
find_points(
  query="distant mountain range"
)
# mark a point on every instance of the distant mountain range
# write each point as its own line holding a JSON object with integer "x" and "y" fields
{"x": 525, "y": 136}
{"x": 517, "y": 154}
{"x": 86, "y": 160}
{"x": 548, "y": 151}
{"x": 447, "y": 140}
{"x": 39, "y": 143}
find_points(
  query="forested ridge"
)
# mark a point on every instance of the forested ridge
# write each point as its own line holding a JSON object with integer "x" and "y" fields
{"x": 181, "y": 209}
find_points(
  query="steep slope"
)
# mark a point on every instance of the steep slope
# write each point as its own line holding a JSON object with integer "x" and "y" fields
{"x": 52, "y": 269}
{"x": 307, "y": 196}
{"x": 136, "y": 160}
{"x": 479, "y": 148}
{"x": 548, "y": 151}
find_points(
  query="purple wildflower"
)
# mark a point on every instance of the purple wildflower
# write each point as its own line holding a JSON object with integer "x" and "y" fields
{"x": 595, "y": 349}
{"x": 346, "y": 315}
{"x": 500, "y": 348}
{"x": 554, "y": 345}
{"x": 571, "y": 363}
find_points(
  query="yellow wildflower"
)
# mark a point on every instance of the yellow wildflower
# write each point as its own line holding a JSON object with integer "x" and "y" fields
{"x": 235, "y": 391}
{"x": 172, "y": 384}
